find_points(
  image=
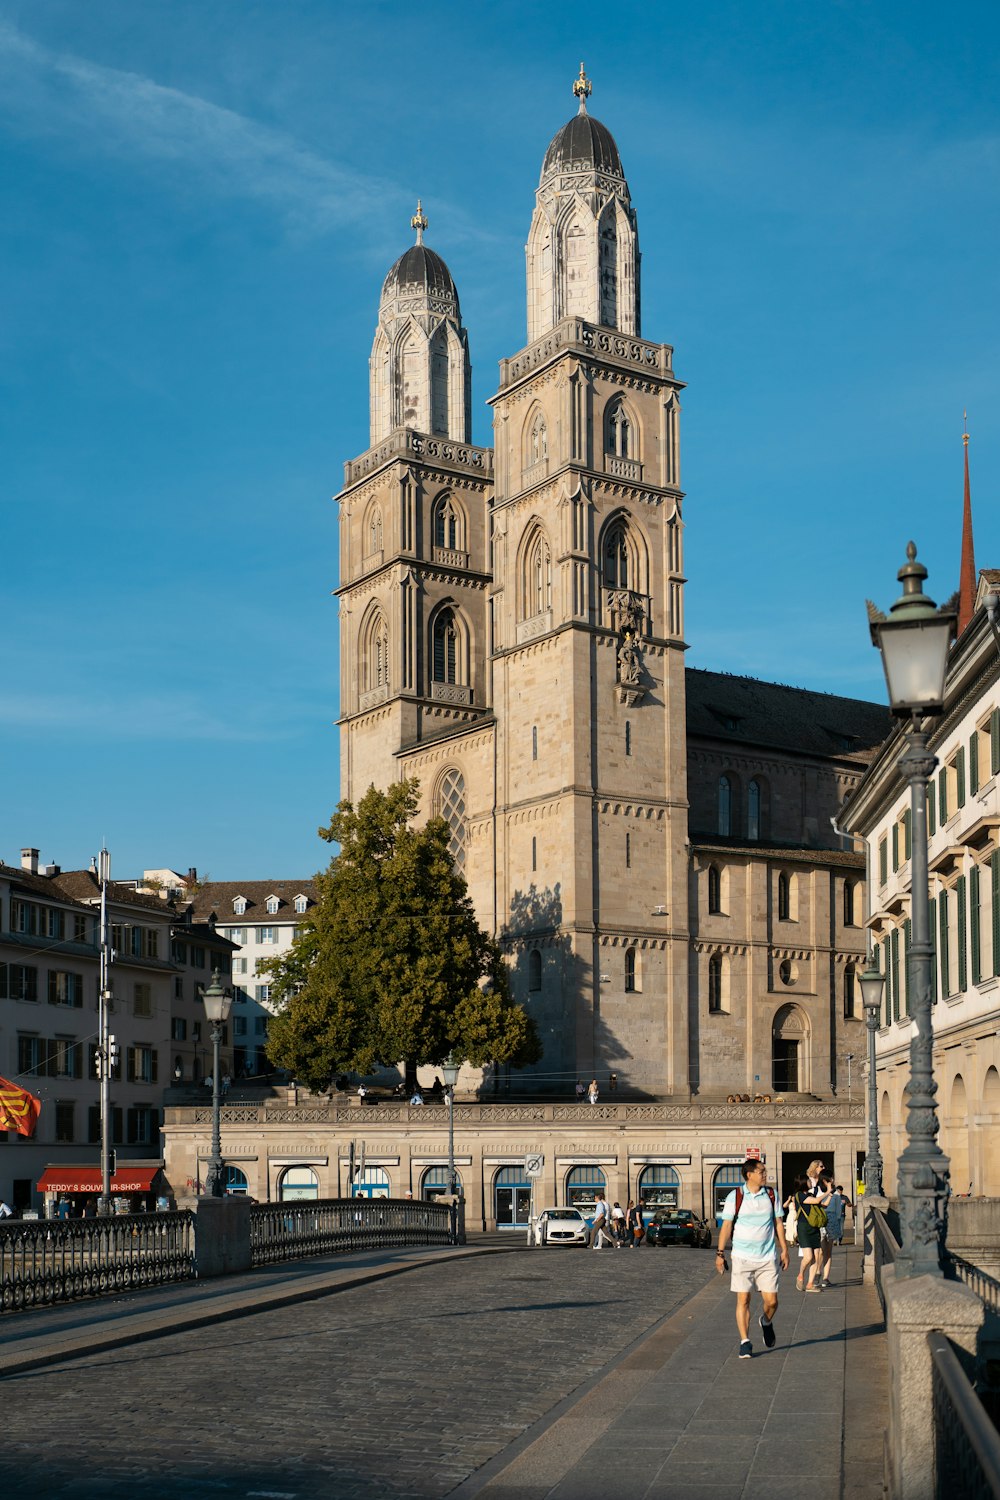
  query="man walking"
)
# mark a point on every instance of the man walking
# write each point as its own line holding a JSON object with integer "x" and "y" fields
{"x": 751, "y": 1221}
{"x": 602, "y": 1224}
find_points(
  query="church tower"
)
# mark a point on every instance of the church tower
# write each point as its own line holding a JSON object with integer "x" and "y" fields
{"x": 587, "y": 640}
{"x": 413, "y": 541}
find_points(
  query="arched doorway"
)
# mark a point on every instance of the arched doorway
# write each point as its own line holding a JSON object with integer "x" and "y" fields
{"x": 659, "y": 1184}
{"x": 990, "y": 1147}
{"x": 725, "y": 1179}
{"x": 296, "y": 1183}
{"x": 788, "y": 1051}
{"x": 436, "y": 1181}
{"x": 373, "y": 1182}
{"x": 957, "y": 1144}
{"x": 235, "y": 1182}
{"x": 511, "y": 1198}
{"x": 582, "y": 1187}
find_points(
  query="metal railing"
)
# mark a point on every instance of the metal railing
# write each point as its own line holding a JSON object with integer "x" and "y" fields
{"x": 60, "y": 1260}
{"x": 986, "y": 1287}
{"x": 289, "y": 1231}
{"x": 885, "y": 1247}
{"x": 966, "y": 1444}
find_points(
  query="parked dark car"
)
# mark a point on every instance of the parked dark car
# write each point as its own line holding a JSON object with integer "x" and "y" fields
{"x": 678, "y": 1226}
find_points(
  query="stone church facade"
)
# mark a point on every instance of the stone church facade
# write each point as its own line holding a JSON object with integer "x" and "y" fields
{"x": 652, "y": 846}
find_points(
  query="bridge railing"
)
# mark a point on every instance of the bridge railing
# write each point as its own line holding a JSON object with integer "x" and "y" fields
{"x": 288, "y": 1231}
{"x": 46, "y": 1261}
{"x": 966, "y": 1443}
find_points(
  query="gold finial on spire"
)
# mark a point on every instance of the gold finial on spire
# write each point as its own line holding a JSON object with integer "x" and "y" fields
{"x": 582, "y": 86}
{"x": 419, "y": 223}
{"x": 965, "y": 434}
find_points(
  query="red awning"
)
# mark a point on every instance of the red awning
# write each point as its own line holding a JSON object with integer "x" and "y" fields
{"x": 88, "y": 1180}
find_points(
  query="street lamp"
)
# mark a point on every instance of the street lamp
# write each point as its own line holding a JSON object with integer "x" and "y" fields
{"x": 872, "y": 984}
{"x": 914, "y": 643}
{"x": 218, "y": 1003}
{"x": 450, "y": 1069}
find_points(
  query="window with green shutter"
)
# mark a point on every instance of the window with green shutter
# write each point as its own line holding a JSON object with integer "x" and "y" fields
{"x": 960, "y": 776}
{"x": 895, "y": 846}
{"x": 883, "y": 862}
{"x": 995, "y": 741}
{"x": 887, "y": 971}
{"x": 977, "y": 967}
{"x": 960, "y": 935}
{"x": 907, "y": 840}
{"x": 907, "y": 933}
{"x": 943, "y": 795}
{"x": 931, "y": 824}
{"x": 974, "y": 762}
{"x": 995, "y": 887}
{"x": 943, "y": 930}
{"x": 934, "y": 950}
{"x": 895, "y": 974}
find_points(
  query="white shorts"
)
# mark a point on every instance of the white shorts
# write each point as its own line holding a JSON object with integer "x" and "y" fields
{"x": 747, "y": 1274}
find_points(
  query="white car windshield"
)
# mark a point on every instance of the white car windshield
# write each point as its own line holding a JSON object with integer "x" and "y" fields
{"x": 563, "y": 1213}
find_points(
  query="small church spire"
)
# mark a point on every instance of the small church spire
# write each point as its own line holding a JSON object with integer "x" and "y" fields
{"x": 419, "y": 223}
{"x": 582, "y": 87}
{"x": 967, "y": 578}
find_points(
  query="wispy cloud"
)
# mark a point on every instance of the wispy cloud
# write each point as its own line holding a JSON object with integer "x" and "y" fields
{"x": 43, "y": 92}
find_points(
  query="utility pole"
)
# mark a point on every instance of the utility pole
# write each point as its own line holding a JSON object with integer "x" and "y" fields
{"x": 849, "y": 1060}
{"x": 104, "y": 1057}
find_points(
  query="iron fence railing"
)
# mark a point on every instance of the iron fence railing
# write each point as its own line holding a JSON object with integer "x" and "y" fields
{"x": 288, "y": 1231}
{"x": 966, "y": 1444}
{"x": 60, "y": 1260}
{"x": 986, "y": 1287}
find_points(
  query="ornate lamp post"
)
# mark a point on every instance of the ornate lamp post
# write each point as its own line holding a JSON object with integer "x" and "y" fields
{"x": 914, "y": 643}
{"x": 872, "y": 984}
{"x": 218, "y": 1003}
{"x": 450, "y": 1069}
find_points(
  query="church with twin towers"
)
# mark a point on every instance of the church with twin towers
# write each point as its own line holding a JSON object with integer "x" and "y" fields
{"x": 650, "y": 844}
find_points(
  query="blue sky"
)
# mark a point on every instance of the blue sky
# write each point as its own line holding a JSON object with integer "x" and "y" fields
{"x": 198, "y": 202}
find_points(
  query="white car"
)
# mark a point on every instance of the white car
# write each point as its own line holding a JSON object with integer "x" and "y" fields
{"x": 561, "y": 1226}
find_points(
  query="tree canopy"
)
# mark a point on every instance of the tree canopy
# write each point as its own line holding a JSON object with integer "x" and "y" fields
{"x": 391, "y": 965}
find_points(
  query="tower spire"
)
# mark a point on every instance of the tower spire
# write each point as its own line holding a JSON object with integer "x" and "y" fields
{"x": 967, "y": 578}
{"x": 582, "y": 87}
{"x": 419, "y": 223}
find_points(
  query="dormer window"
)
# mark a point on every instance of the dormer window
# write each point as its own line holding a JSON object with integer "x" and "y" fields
{"x": 300, "y": 904}
{"x": 272, "y": 906}
{"x": 239, "y": 906}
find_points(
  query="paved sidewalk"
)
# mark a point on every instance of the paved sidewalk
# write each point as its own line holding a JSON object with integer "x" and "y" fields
{"x": 680, "y": 1416}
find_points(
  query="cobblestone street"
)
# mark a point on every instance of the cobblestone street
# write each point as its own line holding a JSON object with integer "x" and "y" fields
{"x": 402, "y": 1388}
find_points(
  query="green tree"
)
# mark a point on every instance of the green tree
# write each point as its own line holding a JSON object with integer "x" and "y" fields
{"x": 391, "y": 965}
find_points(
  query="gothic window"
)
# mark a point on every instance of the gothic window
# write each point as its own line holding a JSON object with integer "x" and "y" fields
{"x": 630, "y": 983}
{"x": 615, "y": 562}
{"x": 375, "y": 653}
{"x": 784, "y": 897}
{"x": 445, "y": 647}
{"x": 714, "y": 889}
{"x": 538, "y": 439}
{"x": 619, "y": 430}
{"x": 725, "y": 805}
{"x": 534, "y": 969}
{"x": 849, "y": 903}
{"x": 850, "y": 1000}
{"x": 451, "y": 799}
{"x": 447, "y": 532}
{"x": 373, "y": 531}
{"x": 753, "y": 810}
{"x": 537, "y": 576}
{"x": 715, "y": 983}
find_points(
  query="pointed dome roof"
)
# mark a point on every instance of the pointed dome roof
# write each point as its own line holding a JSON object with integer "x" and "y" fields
{"x": 583, "y": 142}
{"x": 420, "y": 272}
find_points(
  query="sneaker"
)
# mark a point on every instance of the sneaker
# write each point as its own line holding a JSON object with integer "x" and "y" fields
{"x": 746, "y": 1349}
{"x": 767, "y": 1329}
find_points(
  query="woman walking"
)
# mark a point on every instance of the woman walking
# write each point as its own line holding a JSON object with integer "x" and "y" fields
{"x": 808, "y": 1193}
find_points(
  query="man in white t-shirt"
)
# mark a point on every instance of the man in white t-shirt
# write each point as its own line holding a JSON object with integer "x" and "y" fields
{"x": 751, "y": 1220}
{"x": 602, "y": 1225}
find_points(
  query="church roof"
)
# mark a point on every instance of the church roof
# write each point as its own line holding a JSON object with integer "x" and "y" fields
{"x": 419, "y": 272}
{"x": 583, "y": 142}
{"x": 746, "y": 711}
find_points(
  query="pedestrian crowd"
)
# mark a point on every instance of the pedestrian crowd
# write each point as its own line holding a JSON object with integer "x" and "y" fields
{"x": 616, "y": 1227}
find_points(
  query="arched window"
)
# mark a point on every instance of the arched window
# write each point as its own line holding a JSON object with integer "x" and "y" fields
{"x": 534, "y": 741}
{"x": 451, "y": 802}
{"x": 447, "y": 530}
{"x": 725, "y": 805}
{"x": 659, "y": 1184}
{"x": 619, "y": 431}
{"x": 753, "y": 810}
{"x": 537, "y": 576}
{"x": 538, "y": 439}
{"x": 373, "y": 531}
{"x": 534, "y": 970}
{"x": 630, "y": 972}
{"x": 628, "y": 737}
{"x": 375, "y": 653}
{"x": 371, "y": 1182}
{"x": 784, "y": 897}
{"x": 298, "y": 1182}
{"x": 850, "y": 992}
{"x": 582, "y": 1186}
{"x": 850, "y": 889}
{"x": 615, "y": 561}
{"x": 436, "y": 1181}
{"x": 534, "y": 853}
{"x": 628, "y": 851}
{"x": 715, "y": 984}
{"x": 714, "y": 889}
{"x": 445, "y": 647}
{"x": 234, "y": 1183}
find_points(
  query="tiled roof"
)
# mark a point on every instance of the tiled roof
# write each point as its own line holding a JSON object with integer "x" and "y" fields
{"x": 787, "y": 853}
{"x": 39, "y": 885}
{"x": 215, "y": 898}
{"x": 743, "y": 711}
{"x": 83, "y": 885}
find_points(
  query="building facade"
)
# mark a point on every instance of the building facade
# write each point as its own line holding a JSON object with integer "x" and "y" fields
{"x": 964, "y": 857}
